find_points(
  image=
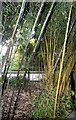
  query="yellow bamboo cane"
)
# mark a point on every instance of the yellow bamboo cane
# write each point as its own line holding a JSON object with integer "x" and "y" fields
{"x": 61, "y": 64}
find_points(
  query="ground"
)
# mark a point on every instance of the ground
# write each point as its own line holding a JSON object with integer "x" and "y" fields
{"x": 23, "y": 106}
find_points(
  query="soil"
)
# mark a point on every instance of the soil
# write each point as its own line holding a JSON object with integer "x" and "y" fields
{"x": 20, "y": 111}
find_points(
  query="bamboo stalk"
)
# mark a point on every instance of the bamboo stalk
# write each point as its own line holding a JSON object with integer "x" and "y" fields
{"x": 53, "y": 56}
{"x": 13, "y": 34}
{"x": 62, "y": 60}
{"x": 68, "y": 69}
{"x": 29, "y": 37}
{"x": 40, "y": 35}
{"x": 59, "y": 56}
{"x": 51, "y": 44}
{"x": 46, "y": 44}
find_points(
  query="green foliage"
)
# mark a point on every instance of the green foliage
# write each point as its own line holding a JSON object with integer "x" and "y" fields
{"x": 43, "y": 105}
{"x": 32, "y": 41}
{"x": 58, "y": 22}
{"x": 11, "y": 11}
{"x": 14, "y": 83}
{"x": 66, "y": 103}
{"x": 16, "y": 61}
{"x": 15, "y": 65}
{"x": 72, "y": 93}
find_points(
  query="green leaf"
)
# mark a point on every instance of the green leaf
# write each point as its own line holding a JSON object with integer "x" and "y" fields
{"x": 32, "y": 41}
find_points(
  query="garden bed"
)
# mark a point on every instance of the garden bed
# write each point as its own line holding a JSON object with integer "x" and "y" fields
{"x": 24, "y": 105}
